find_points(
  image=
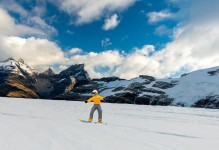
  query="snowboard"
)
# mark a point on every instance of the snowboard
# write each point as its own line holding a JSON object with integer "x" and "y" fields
{"x": 85, "y": 121}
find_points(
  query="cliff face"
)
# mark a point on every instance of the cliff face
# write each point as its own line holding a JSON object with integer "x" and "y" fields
{"x": 17, "y": 79}
{"x": 50, "y": 85}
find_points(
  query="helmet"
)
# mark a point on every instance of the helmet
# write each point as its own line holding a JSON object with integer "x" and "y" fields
{"x": 94, "y": 92}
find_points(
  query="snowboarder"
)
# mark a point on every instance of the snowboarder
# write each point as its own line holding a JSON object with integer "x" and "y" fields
{"x": 96, "y": 99}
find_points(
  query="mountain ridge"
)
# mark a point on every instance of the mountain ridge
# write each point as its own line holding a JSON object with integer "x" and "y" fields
{"x": 194, "y": 89}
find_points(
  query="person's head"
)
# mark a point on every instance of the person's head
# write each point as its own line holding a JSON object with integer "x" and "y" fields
{"x": 94, "y": 92}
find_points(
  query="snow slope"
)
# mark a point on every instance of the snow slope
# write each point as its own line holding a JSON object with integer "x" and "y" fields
{"x": 187, "y": 90}
{"x": 54, "y": 125}
{"x": 195, "y": 86}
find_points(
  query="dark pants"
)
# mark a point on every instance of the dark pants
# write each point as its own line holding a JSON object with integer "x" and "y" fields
{"x": 99, "y": 109}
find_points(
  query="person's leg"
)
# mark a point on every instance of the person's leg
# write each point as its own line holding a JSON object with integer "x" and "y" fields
{"x": 99, "y": 109}
{"x": 92, "y": 113}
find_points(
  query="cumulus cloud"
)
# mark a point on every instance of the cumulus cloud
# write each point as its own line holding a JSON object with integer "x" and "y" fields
{"x": 29, "y": 21}
{"x": 93, "y": 61}
{"x": 75, "y": 51}
{"x": 120, "y": 64}
{"x": 63, "y": 67}
{"x": 154, "y": 17}
{"x": 146, "y": 50}
{"x": 111, "y": 23}
{"x": 87, "y": 11}
{"x": 138, "y": 62}
{"x": 9, "y": 27}
{"x": 34, "y": 51}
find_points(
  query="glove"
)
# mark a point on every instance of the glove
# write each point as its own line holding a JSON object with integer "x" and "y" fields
{"x": 85, "y": 101}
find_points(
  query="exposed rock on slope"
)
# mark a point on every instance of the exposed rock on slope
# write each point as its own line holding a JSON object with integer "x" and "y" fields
{"x": 16, "y": 79}
{"x": 51, "y": 85}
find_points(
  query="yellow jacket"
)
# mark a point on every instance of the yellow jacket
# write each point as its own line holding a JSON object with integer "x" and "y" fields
{"x": 96, "y": 99}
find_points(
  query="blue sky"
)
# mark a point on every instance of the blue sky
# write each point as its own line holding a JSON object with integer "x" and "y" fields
{"x": 134, "y": 30}
{"x": 122, "y": 38}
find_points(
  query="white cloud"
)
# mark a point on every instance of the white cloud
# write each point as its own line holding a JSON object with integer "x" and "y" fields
{"x": 87, "y": 11}
{"x": 34, "y": 51}
{"x": 39, "y": 10}
{"x": 163, "y": 30}
{"x": 119, "y": 64}
{"x": 13, "y": 6}
{"x": 39, "y": 23}
{"x": 154, "y": 17}
{"x": 29, "y": 21}
{"x": 137, "y": 63}
{"x": 92, "y": 60}
{"x": 38, "y": 52}
{"x": 106, "y": 42}
{"x": 75, "y": 51}
{"x": 9, "y": 27}
{"x": 63, "y": 67}
{"x": 146, "y": 50}
{"x": 111, "y": 23}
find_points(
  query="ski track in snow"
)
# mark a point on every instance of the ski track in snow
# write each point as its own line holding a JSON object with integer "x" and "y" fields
{"x": 54, "y": 125}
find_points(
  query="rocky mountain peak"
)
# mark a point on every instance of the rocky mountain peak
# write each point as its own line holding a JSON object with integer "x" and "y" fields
{"x": 77, "y": 71}
{"x": 49, "y": 72}
{"x": 18, "y": 67}
{"x": 17, "y": 79}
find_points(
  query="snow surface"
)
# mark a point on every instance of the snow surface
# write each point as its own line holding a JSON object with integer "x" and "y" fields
{"x": 54, "y": 125}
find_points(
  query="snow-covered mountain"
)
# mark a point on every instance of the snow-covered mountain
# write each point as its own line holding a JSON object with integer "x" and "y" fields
{"x": 16, "y": 79}
{"x": 16, "y": 67}
{"x": 78, "y": 71}
{"x": 196, "y": 89}
{"x": 54, "y": 125}
{"x": 20, "y": 80}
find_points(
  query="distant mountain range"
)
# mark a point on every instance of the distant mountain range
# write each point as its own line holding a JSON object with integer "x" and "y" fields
{"x": 196, "y": 89}
{"x": 20, "y": 80}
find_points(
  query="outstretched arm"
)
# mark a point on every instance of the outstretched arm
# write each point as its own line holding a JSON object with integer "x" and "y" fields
{"x": 102, "y": 98}
{"x": 89, "y": 100}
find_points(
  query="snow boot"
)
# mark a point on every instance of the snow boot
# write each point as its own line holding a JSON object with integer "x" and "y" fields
{"x": 90, "y": 120}
{"x": 100, "y": 121}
